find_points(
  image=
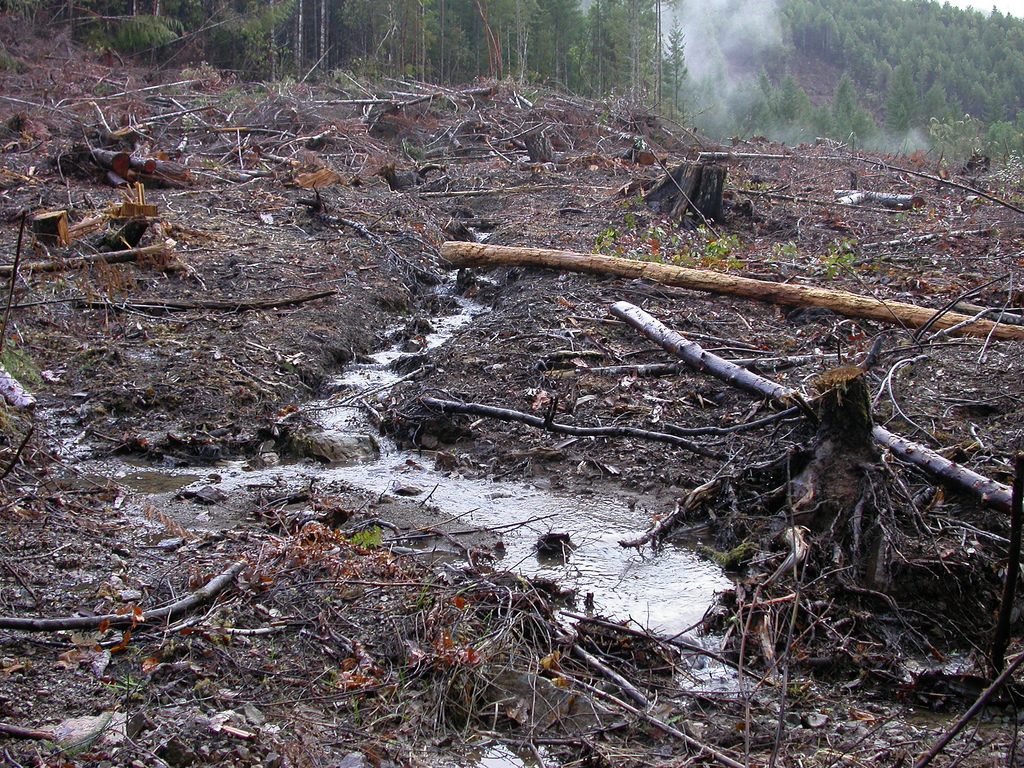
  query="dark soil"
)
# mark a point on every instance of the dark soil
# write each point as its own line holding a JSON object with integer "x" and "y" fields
{"x": 330, "y": 650}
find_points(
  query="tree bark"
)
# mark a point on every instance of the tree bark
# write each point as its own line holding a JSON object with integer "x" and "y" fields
{"x": 457, "y": 255}
{"x": 538, "y": 146}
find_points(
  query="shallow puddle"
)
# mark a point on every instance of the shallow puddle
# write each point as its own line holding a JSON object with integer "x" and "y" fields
{"x": 153, "y": 481}
{"x": 502, "y": 756}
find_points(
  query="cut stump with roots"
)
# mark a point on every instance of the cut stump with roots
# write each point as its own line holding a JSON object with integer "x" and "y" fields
{"x": 835, "y": 494}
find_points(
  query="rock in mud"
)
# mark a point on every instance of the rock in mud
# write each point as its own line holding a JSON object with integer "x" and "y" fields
{"x": 107, "y": 729}
{"x": 336, "y": 447}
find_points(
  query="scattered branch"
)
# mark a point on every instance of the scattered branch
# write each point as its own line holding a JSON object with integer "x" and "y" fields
{"x": 172, "y": 305}
{"x": 506, "y": 414}
{"x": 967, "y": 716}
{"x": 986, "y": 490}
{"x": 213, "y": 587}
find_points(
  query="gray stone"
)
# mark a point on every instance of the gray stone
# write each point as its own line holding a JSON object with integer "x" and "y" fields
{"x": 253, "y": 715}
{"x": 107, "y": 729}
{"x": 337, "y": 447}
{"x": 353, "y": 760}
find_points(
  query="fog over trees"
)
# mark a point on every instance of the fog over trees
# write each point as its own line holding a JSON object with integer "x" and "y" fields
{"x": 904, "y": 71}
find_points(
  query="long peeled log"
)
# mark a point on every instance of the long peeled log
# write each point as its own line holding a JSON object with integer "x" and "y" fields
{"x": 988, "y": 491}
{"x": 458, "y": 254}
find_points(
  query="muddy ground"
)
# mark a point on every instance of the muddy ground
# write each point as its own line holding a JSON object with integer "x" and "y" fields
{"x": 324, "y": 647}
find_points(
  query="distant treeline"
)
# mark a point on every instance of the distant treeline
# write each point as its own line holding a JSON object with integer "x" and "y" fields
{"x": 893, "y": 68}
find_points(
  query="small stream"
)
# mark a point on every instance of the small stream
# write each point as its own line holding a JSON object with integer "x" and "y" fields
{"x": 668, "y": 591}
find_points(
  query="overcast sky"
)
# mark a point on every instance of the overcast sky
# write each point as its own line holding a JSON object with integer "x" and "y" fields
{"x": 1015, "y": 7}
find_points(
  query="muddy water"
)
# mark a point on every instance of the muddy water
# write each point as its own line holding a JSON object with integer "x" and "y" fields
{"x": 668, "y": 591}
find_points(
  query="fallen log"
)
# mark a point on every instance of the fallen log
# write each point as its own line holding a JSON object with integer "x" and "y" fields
{"x": 111, "y": 257}
{"x": 884, "y": 199}
{"x": 986, "y": 490}
{"x": 459, "y": 254}
{"x": 12, "y": 391}
{"x": 128, "y": 168}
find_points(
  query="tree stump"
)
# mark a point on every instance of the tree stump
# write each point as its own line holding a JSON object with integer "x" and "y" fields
{"x": 833, "y": 494}
{"x": 689, "y": 186}
{"x": 539, "y": 148}
{"x": 51, "y": 227}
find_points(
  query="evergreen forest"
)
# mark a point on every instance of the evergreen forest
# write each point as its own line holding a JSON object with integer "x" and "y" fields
{"x": 898, "y": 74}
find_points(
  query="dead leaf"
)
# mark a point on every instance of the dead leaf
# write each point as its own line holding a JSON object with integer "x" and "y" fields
{"x": 550, "y": 662}
{"x": 323, "y": 177}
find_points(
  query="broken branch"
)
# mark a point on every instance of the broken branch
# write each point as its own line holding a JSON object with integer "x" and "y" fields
{"x": 34, "y": 734}
{"x": 506, "y": 414}
{"x": 111, "y": 257}
{"x": 171, "y": 305}
{"x": 213, "y": 587}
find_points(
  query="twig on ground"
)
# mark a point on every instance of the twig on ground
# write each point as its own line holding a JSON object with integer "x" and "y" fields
{"x": 17, "y": 453}
{"x": 719, "y": 757}
{"x": 1001, "y": 637}
{"x": 697, "y": 496}
{"x": 967, "y": 716}
{"x": 14, "y": 280}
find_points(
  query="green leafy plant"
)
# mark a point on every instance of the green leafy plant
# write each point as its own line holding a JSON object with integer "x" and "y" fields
{"x": 717, "y": 252}
{"x": 784, "y": 252}
{"x": 371, "y": 538}
{"x": 20, "y": 365}
{"x": 841, "y": 256}
{"x": 605, "y": 241}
